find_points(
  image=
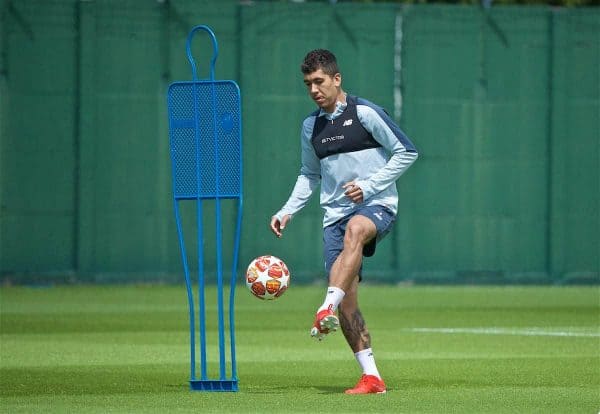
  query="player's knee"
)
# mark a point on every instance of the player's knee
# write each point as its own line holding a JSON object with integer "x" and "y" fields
{"x": 356, "y": 233}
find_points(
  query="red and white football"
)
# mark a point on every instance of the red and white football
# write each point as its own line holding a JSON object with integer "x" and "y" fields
{"x": 267, "y": 277}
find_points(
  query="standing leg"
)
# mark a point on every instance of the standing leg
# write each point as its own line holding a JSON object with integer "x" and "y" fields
{"x": 358, "y": 337}
{"x": 352, "y": 322}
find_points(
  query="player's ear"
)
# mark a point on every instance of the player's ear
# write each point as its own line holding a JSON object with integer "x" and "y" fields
{"x": 337, "y": 79}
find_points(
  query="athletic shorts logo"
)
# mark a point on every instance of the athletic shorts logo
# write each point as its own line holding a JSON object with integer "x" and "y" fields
{"x": 379, "y": 215}
{"x": 347, "y": 122}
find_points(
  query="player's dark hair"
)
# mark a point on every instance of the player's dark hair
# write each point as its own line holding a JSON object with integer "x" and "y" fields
{"x": 320, "y": 59}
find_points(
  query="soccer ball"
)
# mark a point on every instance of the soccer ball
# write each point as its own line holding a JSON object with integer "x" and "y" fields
{"x": 267, "y": 277}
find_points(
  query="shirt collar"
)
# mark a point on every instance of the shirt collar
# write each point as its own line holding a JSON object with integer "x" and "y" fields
{"x": 339, "y": 108}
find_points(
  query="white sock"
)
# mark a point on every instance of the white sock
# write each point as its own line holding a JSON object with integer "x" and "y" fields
{"x": 332, "y": 299}
{"x": 367, "y": 362}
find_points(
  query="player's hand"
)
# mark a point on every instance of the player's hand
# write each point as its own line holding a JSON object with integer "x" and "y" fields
{"x": 353, "y": 192}
{"x": 278, "y": 226}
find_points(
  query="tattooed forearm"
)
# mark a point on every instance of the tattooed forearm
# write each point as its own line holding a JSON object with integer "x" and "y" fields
{"x": 355, "y": 330}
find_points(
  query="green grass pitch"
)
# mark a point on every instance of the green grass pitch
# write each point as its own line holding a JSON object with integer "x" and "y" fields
{"x": 125, "y": 349}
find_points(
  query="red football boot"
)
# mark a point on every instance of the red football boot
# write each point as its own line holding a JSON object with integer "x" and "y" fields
{"x": 326, "y": 322}
{"x": 368, "y": 384}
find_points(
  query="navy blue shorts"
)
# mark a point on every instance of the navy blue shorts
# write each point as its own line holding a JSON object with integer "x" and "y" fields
{"x": 333, "y": 235}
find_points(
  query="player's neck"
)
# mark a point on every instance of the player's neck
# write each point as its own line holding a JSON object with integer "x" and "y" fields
{"x": 341, "y": 98}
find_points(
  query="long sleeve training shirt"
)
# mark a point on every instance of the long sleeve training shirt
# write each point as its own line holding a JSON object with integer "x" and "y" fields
{"x": 374, "y": 169}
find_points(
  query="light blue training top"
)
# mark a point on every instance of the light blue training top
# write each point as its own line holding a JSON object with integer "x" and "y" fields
{"x": 374, "y": 170}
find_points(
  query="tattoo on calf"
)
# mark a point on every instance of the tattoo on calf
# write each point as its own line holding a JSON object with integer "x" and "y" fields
{"x": 355, "y": 331}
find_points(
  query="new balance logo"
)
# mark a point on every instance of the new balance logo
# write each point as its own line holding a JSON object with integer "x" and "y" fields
{"x": 347, "y": 122}
{"x": 379, "y": 216}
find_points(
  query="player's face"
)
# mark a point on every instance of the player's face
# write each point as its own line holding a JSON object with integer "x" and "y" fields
{"x": 323, "y": 88}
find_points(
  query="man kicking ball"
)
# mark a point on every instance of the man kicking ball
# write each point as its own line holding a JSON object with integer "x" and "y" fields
{"x": 354, "y": 150}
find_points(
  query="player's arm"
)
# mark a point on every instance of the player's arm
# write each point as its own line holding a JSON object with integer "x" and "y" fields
{"x": 307, "y": 182}
{"x": 392, "y": 138}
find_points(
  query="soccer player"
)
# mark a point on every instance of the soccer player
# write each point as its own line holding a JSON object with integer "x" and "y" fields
{"x": 355, "y": 152}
